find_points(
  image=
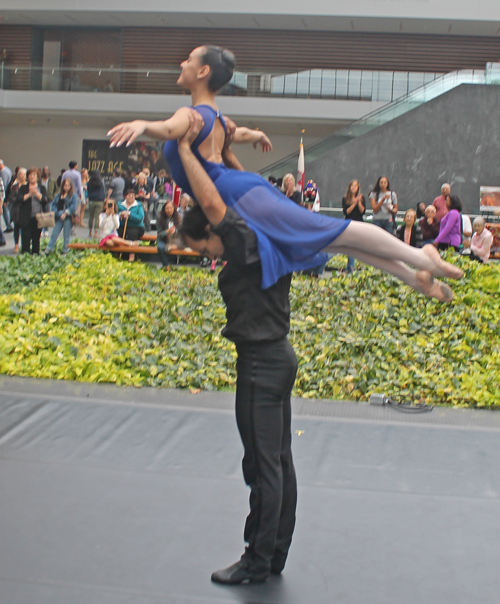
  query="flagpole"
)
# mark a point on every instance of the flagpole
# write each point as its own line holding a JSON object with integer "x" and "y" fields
{"x": 301, "y": 169}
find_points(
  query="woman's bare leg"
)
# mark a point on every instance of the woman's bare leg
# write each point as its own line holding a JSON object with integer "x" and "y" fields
{"x": 369, "y": 239}
{"x": 421, "y": 281}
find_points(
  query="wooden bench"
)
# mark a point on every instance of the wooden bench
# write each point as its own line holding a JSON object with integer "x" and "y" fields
{"x": 133, "y": 249}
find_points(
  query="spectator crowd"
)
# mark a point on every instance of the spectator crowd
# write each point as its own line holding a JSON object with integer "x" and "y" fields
{"x": 122, "y": 208}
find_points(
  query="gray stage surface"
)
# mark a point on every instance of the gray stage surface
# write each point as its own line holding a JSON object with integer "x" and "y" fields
{"x": 127, "y": 496}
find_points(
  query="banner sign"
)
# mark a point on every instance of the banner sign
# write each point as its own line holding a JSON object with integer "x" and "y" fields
{"x": 97, "y": 155}
{"x": 489, "y": 198}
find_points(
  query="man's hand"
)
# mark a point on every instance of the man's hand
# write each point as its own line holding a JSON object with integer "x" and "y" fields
{"x": 264, "y": 142}
{"x": 195, "y": 125}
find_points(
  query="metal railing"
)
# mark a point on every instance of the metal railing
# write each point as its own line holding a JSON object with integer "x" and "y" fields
{"x": 385, "y": 114}
{"x": 346, "y": 84}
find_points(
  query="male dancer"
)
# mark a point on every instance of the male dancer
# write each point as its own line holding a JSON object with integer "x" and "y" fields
{"x": 258, "y": 322}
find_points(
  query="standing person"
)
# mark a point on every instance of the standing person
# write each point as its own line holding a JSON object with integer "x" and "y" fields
{"x": 15, "y": 205}
{"x": 450, "y": 226}
{"x": 33, "y": 199}
{"x": 143, "y": 196}
{"x": 76, "y": 178}
{"x": 429, "y": 225}
{"x": 6, "y": 177}
{"x": 410, "y": 232}
{"x": 289, "y": 239}
{"x": 96, "y": 192}
{"x": 384, "y": 204}
{"x": 51, "y": 185}
{"x": 353, "y": 206}
{"x": 64, "y": 206}
{"x": 3, "y": 203}
{"x": 84, "y": 201}
{"x": 440, "y": 202}
{"x": 266, "y": 368}
{"x": 289, "y": 189}
{"x": 116, "y": 186}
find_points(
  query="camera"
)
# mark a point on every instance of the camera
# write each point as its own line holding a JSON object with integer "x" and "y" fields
{"x": 109, "y": 205}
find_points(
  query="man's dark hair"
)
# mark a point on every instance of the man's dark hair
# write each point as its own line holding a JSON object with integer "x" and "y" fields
{"x": 194, "y": 224}
{"x": 221, "y": 62}
{"x": 455, "y": 203}
{"x": 72, "y": 165}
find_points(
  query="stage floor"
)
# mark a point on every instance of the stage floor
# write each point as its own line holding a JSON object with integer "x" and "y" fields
{"x": 134, "y": 496}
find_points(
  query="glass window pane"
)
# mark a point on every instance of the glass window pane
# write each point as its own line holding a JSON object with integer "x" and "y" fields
{"x": 277, "y": 84}
{"x": 400, "y": 84}
{"x": 291, "y": 83}
{"x": 303, "y": 83}
{"x": 315, "y": 85}
{"x": 342, "y": 78}
{"x": 366, "y": 84}
{"x": 354, "y": 84}
{"x": 328, "y": 85}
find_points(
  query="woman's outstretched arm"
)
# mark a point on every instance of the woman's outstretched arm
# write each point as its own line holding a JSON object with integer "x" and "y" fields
{"x": 170, "y": 129}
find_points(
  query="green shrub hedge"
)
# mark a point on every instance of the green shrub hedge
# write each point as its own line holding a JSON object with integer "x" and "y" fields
{"x": 92, "y": 318}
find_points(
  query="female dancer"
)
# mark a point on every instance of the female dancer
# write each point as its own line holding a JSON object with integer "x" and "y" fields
{"x": 289, "y": 239}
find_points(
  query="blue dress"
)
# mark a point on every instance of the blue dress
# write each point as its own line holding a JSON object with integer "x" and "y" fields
{"x": 290, "y": 238}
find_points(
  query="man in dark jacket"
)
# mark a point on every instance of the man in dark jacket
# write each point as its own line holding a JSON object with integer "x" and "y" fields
{"x": 258, "y": 322}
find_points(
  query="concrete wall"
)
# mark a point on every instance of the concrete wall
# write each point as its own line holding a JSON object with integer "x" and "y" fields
{"x": 56, "y": 146}
{"x": 455, "y": 138}
{"x": 425, "y": 9}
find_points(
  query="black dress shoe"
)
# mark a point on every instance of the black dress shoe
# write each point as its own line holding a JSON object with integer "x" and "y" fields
{"x": 237, "y": 574}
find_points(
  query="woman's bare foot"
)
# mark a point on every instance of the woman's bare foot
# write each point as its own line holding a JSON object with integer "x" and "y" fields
{"x": 441, "y": 268}
{"x": 132, "y": 243}
{"x": 131, "y": 257}
{"x": 432, "y": 288}
{"x": 16, "y": 248}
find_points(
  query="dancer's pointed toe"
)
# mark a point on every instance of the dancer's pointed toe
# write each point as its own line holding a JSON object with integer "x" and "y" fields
{"x": 441, "y": 268}
{"x": 432, "y": 288}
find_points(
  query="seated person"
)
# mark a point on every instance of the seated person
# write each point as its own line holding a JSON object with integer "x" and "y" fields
{"x": 410, "y": 232}
{"x": 480, "y": 245}
{"x": 108, "y": 227}
{"x": 429, "y": 225}
{"x": 167, "y": 223}
{"x": 131, "y": 217}
{"x": 466, "y": 234}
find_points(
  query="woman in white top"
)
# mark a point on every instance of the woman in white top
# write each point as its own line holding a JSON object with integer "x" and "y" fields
{"x": 109, "y": 221}
{"x": 384, "y": 204}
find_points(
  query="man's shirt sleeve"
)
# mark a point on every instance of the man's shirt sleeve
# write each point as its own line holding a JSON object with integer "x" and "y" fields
{"x": 240, "y": 242}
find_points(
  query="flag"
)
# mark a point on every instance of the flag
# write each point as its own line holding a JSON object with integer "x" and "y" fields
{"x": 301, "y": 169}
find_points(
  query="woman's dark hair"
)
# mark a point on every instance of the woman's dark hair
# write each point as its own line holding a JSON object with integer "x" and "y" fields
{"x": 376, "y": 188}
{"x": 164, "y": 219}
{"x": 95, "y": 179}
{"x": 455, "y": 203}
{"x": 194, "y": 224}
{"x": 349, "y": 194}
{"x": 221, "y": 62}
{"x": 420, "y": 213}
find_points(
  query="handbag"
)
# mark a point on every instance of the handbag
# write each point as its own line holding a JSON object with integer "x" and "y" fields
{"x": 45, "y": 220}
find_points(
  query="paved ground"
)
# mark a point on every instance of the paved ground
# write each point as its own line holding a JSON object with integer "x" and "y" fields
{"x": 112, "y": 495}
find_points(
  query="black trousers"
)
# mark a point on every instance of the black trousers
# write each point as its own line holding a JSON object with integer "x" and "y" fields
{"x": 266, "y": 374}
{"x": 30, "y": 237}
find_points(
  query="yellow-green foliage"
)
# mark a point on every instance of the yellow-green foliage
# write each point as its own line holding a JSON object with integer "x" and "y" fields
{"x": 95, "y": 319}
